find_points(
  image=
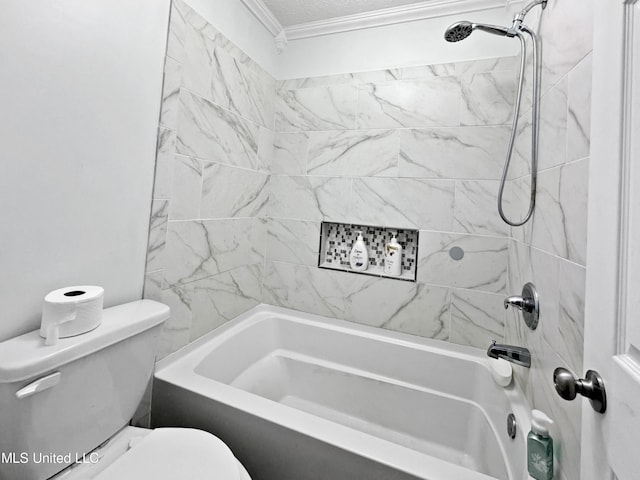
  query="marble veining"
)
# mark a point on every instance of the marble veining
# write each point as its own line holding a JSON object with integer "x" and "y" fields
{"x": 477, "y": 318}
{"x": 410, "y": 103}
{"x": 500, "y": 64}
{"x": 309, "y": 198}
{"x": 221, "y": 197}
{"x": 266, "y": 139}
{"x": 157, "y": 234}
{"x": 549, "y": 223}
{"x": 184, "y": 17}
{"x": 484, "y": 266}
{"x": 293, "y": 241}
{"x": 175, "y": 330}
{"x": 304, "y": 288}
{"x": 210, "y": 132}
{"x": 574, "y": 183}
{"x": 411, "y": 308}
{"x": 487, "y": 98}
{"x": 197, "y": 60}
{"x": 475, "y": 208}
{"x": 341, "y": 79}
{"x": 570, "y": 339}
{"x": 200, "y": 248}
{"x": 459, "y": 152}
{"x": 220, "y": 298}
{"x": 353, "y": 153}
{"x": 400, "y": 306}
{"x": 579, "y": 110}
{"x": 521, "y": 157}
{"x": 318, "y": 108}
{"x": 187, "y": 184}
{"x": 236, "y": 87}
{"x": 313, "y": 82}
{"x": 404, "y": 202}
{"x": 175, "y": 40}
{"x": 566, "y": 29}
{"x": 153, "y": 285}
{"x": 165, "y": 148}
{"x": 170, "y": 93}
{"x": 429, "y": 71}
{"x": 290, "y": 153}
{"x": 553, "y": 127}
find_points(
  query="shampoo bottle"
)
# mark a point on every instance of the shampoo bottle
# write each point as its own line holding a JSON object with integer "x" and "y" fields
{"x": 393, "y": 258}
{"x": 540, "y": 447}
{"x": 359, "y": 257}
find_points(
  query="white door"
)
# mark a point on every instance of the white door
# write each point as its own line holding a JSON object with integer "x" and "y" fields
{"x": 611, "y": 442}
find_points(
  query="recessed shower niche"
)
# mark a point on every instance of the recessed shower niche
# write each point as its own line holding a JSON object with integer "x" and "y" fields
{"x": 337, "y": 240}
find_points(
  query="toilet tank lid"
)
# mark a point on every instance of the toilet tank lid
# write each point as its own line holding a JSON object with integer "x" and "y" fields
{"x": 27, "y": 356}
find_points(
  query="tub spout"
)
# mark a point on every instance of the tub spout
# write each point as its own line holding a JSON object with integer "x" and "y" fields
{"x": 518, "y": 355}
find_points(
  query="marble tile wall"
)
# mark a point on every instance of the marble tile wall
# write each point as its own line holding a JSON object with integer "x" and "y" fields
{"x": 418, "y": 148}
{"x": 208, "y": 230}
{"x": 550, "y": 250}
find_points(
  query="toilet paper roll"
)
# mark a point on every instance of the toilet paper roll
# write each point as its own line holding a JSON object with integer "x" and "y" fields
{"x": 71, "y": 311}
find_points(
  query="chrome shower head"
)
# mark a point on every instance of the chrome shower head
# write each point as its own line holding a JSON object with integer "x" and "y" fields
{"x": 461, "y": 30}
{"x": 458, "y": 31}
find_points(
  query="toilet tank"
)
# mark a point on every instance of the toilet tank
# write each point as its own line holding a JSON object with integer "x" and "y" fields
{"x": 61, "y": 401}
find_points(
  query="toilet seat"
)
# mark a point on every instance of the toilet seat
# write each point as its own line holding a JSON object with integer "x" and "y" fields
{"x": 170, "y": 453}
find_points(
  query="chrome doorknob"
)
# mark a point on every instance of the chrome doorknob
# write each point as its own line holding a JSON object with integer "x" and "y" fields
{"x": 592, "y": 387}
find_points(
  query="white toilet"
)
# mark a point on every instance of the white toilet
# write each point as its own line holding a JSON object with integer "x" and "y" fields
{"x": 64, "y": 408}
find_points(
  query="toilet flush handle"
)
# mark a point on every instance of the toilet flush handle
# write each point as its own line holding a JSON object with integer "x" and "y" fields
{"x": 39, "y": 385}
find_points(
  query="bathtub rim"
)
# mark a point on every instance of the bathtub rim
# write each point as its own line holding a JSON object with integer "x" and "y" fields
{"x": 178, "y": 369}
{"x": 265, "y": 311}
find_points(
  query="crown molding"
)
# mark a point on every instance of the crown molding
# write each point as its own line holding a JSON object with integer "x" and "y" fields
{"x": 390, "y": 16}
{"x": 264, "y": 16}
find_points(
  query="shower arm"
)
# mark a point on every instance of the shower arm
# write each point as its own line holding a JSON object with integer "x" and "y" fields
{"x": 534, "y": 126}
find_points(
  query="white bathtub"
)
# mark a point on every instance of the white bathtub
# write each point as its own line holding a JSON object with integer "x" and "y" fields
{"x": 304, "y": 397}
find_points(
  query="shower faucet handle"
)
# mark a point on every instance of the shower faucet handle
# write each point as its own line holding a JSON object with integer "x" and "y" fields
{"x": 518, "y": 302}
{"x": 527, "y": 303}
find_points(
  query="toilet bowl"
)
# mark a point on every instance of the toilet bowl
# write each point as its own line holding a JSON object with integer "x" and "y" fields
{"x": 64, "y": 408}
{"x": 161, "y": 454}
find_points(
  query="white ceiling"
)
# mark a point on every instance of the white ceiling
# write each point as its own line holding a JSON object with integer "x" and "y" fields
{"x": 295, "y": 12}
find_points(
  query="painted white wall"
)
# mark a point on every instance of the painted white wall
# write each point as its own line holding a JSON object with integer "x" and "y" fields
{"x": 238, "y": 24}
{"x": 414, "y": 43}
{"x": 80, "y": 90}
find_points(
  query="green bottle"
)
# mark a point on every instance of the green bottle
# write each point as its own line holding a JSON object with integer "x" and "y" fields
{"x": 540, "y": 447}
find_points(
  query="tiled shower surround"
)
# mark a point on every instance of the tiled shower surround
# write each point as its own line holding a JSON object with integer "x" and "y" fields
{"x": 237, "y": 209}
{"x": 417, "y": 148}
{"x": 207, "y": 238}
{"x": 248, "y": 168}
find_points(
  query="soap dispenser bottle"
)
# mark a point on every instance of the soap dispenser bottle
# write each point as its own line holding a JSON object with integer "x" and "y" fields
{"x": 540, "y": 447}
{"x": 359, "y": 257}
{"x": 393, "y": 258}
